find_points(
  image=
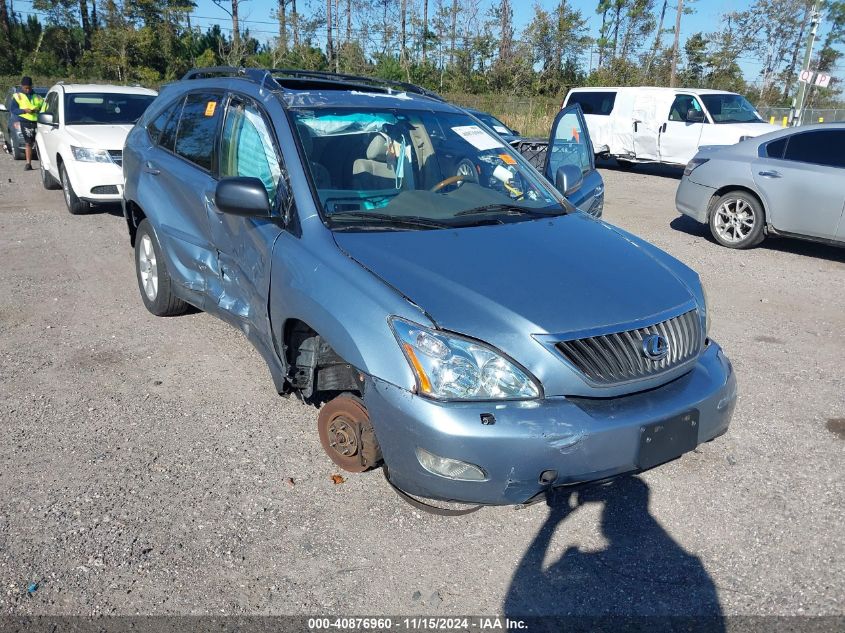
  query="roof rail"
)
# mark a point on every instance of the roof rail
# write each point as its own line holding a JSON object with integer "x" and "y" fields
{"x": 361, "y": 81}
{"x": 258, "y": 75}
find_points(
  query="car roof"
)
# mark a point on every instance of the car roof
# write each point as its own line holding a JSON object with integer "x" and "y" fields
{"x": 105, "y": 88}
{"x": 696, "y": 91}
{"x": 311, "y": 89}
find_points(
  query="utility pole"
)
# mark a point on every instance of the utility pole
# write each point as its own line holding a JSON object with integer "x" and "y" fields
{"x": 798, "y": 101}
{"x": 673, "y": 76}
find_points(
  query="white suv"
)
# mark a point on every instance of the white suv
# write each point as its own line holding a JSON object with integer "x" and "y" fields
{"x": 81, "y": 132}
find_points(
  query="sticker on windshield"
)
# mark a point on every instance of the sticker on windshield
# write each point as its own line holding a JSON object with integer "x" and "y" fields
{"x": 477, "y": 137}
{"x": 210, "y": 107}
{"x": 501, "y": 129}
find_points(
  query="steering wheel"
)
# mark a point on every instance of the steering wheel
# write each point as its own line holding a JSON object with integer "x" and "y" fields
{"x": 451, "y": 180}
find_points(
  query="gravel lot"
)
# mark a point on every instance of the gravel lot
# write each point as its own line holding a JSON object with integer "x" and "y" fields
{"x": 144, "y": 462}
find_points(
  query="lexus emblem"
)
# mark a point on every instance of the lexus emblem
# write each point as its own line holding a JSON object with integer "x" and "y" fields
{"x": 655, "y": 347}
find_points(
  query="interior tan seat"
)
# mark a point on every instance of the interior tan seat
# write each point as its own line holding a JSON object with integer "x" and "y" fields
{"x": 373, "y": 172}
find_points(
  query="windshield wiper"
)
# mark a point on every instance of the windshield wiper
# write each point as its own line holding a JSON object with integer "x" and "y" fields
{"x": 387, "y": 219}
{"x": 509, "y": 209}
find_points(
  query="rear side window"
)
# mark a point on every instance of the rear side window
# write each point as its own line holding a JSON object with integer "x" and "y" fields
{"x": 822, "y": 147}
{"x": 170, "y": 120}
{"x": 158, "y": 125}
{"x": 775, "y": 148}
{"x": 198, "y": 127}
{"x": 600, "y": 103}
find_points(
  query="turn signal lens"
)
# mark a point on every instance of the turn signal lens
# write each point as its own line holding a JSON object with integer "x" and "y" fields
{"x": 450, "y": 468}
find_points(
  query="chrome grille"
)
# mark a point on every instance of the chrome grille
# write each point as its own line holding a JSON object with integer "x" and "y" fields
{"x": 619, "y": 357}
{"x": 116, "y": 156}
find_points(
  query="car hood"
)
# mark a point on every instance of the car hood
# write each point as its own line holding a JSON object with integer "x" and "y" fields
{"x": 751, "y": 129}
{"x": 99, "y": 136}
{"x": 501, "y": 283}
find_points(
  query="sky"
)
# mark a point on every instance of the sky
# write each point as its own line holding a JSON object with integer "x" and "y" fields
{"x": 257, "y": 15}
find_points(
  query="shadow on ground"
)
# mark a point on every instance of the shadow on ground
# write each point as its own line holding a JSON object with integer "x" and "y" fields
{"x": 687, "y": 225}
{"x": 642, "y": 575}
{"x": 647, "y": 169}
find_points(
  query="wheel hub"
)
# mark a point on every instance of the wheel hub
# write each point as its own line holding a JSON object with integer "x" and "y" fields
{"x": 347, "y": 435}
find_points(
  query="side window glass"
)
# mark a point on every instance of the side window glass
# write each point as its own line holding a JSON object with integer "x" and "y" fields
{"x": 157, "y": 125}
{"x": 247, "y": 148}
{"x": 775, "y": 148}
{"x": 197, "y": 128}
{"x": 822, "y": 147}
{"x": 680, "y": 106}
{"x": 569, "y": 145}
{"x": 167, "y": 138}
{"x": 52, "y": 106}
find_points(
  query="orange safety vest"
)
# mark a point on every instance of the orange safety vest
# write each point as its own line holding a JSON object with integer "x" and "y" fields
{"x": 26, "y": 103}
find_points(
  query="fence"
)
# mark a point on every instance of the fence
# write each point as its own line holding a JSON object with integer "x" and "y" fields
{"x": 814, "y": 115}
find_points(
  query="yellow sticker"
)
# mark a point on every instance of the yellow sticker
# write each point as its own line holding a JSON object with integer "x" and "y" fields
{"x": 210, "y": 107}
{"x": 507, "y": 159}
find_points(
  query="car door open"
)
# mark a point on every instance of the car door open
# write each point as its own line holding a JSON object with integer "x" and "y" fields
{"x": 570, "y": 162}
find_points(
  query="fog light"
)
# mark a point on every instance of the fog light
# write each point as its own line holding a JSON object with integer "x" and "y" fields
{"x": 548, "y": 477}
{"x": 450, "y": 468}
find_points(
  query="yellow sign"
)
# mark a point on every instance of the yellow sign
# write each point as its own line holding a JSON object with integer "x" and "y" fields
{"x": 210, "y": 107}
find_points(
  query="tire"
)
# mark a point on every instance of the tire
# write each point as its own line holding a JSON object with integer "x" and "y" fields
{"x": 153, "y": 278}
{"x": 737, "y": 220}
{"x": 47, "y": 181}
{"x": 74, "y": 204}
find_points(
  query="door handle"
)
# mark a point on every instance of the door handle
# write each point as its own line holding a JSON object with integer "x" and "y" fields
{"x": 150, "y": 168}
{"x": 662, "y": 128}
{"x": 770, "y": 174}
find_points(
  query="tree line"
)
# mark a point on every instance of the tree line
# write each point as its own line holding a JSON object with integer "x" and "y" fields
{"x": 453, "y": 46}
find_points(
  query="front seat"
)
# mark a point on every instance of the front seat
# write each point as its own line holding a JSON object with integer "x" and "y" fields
{"x": 373, "y": 172}
{"x": 322, "y": 178}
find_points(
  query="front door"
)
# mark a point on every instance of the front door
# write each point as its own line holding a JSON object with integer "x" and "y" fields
{"x": 803, "y": 190}
{"x": 679, "y": 138}
{"x": 241, "y": 282}
{"x": 48, "y": 135}
{"x": 569, "y": 144}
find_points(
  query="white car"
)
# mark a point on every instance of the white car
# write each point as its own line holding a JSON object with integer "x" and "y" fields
{"x": 664, "y": 125}
{"x": 81, "y": 132}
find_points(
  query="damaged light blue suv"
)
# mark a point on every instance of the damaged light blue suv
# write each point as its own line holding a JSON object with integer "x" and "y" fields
{"x": 398, "y": 264}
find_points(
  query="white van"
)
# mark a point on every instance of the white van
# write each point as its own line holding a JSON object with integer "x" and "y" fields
{"x": 664, "y": 125}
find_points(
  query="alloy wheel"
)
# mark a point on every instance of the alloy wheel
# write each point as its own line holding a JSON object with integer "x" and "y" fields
{"x": 147, "y": 268}
{"x": 734, "y": 220}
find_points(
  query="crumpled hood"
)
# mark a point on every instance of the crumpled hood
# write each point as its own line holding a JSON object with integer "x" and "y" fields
{"x": 99, "y": 136}
{"x": 502, "y": 283}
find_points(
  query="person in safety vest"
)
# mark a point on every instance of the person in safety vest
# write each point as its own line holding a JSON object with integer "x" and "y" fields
{"x": 25, "y": 107}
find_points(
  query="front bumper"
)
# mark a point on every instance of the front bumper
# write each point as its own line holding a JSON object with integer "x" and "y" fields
{"x": 693, "y": 199}
{"x": 583, "y": 439}
{"x": 96, "y": 182}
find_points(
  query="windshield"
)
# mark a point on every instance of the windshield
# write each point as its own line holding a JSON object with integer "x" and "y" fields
{"x": 494, "y": 123}
{"x": 416, "y": 169}
{"x": 105, "y": 108}
{"x": 729, "y": 108}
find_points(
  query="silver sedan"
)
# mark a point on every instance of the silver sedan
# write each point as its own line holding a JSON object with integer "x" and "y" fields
{"x": 790, "y": 182}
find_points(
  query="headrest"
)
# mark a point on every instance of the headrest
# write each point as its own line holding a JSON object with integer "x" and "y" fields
{"x": 377, "y": 149}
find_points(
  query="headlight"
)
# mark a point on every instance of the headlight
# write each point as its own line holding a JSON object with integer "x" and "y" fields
{"x": 90, "y": 155}
{"x": 706, "y": 310}
{"x": 450, "y": 367}
{"x": 693, "y": 164}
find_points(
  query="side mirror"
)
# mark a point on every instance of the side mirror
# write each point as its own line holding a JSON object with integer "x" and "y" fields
{"x": 46, "y": 118}
{"x": 695, "y": 116}
{"x": 568, "y": 178}
{"x": 3, "y": 107}
{"x": 242, "y": 196}
{"x": 515, "y": 132}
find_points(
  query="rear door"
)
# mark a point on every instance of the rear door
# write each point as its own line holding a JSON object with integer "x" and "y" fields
{"x": 240, "y": 285}
{"x": 48, "y": 135}
{"x": 569, "y": 143}
{"x": 802, "y": 182}
{"x": 679, "y": 138}
{"x": 179, "y": 174}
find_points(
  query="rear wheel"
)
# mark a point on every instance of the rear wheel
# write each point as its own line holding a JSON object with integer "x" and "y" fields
{"x": 737, "y": 220}
{"x": 74, "y": 204}
{"x": 153, "y": 278}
